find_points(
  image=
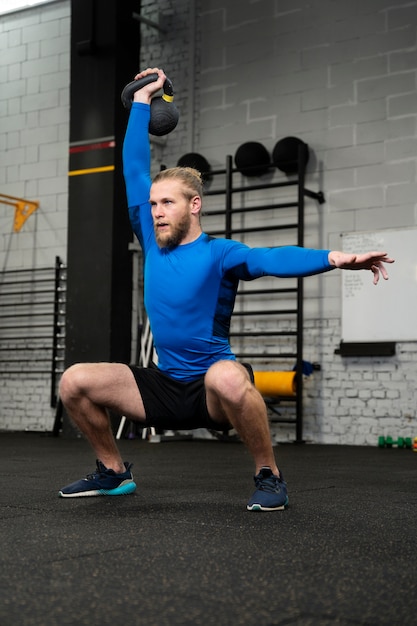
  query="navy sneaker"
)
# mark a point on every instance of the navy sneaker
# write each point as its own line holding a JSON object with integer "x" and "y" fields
{"x": 270, "y": 494}
{"x": 103, "y": 482}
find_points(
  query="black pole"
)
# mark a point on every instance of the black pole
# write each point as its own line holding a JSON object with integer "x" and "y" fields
{"x": 300, "y": 300}
{"x": 56, "y": 331}
{"x": 105, "y": 45}
{"x": 228, "y": 198}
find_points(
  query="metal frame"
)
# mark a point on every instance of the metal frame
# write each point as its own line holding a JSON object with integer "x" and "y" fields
{"x": 230, "y": 211}
{"x": 32, "y": 322}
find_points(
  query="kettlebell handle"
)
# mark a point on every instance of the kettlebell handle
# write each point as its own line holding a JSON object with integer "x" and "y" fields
{"x": 135, "y": 85}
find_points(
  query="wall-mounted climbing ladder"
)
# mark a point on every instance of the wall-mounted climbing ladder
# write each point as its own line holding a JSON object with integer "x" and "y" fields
{"x": 267, "y": 324}
{"x": 32, "y": 323}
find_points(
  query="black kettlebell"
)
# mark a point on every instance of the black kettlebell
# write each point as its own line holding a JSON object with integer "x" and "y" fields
{"x": 164, "y": 113}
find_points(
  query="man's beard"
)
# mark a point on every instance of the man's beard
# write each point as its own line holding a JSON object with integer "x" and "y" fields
{"x": 175, "y": 236}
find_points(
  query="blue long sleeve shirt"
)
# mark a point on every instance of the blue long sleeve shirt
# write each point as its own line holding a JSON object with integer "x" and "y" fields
{"x": 190, "y": 290}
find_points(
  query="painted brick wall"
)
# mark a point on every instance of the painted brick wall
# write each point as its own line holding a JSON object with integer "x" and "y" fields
{"x": 342, "y": 77}
{"x": 34, "y": 131}
{"x": 34, "y": 104}
{"x": 339, "y": 75}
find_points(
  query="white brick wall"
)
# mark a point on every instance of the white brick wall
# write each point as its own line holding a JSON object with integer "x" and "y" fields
{"x": 34, "y": 131}
{"x": 339, "y": 75}
{"x": 342, "y": 77}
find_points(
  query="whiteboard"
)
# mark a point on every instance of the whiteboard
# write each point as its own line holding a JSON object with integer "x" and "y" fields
{"x": 387, "y": 311}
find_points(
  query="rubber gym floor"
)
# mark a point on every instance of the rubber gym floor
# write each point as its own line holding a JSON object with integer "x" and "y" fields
{"x": 183, "y": 550}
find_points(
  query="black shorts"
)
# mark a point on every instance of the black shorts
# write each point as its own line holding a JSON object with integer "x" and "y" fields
{"x": 174, "y": 405}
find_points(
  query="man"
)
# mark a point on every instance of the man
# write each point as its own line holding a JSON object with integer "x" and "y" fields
{"x": 190, "y": 286}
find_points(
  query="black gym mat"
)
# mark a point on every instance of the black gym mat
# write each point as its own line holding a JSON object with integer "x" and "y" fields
{"x": 183, "y": 550}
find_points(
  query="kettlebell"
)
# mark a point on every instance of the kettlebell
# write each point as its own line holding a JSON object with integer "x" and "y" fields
{"x": 164, "y": 113}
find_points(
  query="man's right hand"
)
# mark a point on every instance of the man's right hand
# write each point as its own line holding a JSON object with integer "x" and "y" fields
{"x": 145, "y": 94}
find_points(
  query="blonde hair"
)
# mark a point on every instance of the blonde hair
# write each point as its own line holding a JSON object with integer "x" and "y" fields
{"x": 190, "y": 177}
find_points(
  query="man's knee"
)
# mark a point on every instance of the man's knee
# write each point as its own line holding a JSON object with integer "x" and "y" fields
{"x": 73, "y": 382}
{"x": 228, "y": 379}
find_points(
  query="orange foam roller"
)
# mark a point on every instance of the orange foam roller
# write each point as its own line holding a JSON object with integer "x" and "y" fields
{"x": 272, "y": 384}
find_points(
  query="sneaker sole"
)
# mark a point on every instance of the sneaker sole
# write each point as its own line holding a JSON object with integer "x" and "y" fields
{"x": 122, "y": 490}
{"x": 259, "y": 507}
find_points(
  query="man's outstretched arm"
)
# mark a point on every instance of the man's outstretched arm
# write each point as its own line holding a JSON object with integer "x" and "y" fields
{"x": 291, "y": 261}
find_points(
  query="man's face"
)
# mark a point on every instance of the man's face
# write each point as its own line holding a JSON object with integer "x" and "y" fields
{"x": 171, "y": 213}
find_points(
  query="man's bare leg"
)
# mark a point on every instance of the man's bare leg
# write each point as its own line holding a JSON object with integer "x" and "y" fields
{"x": 88, "y": 391}
{"x": 233, "y": 399}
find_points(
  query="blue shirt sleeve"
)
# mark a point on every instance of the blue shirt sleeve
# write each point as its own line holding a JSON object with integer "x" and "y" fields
{"x": 285, "y": 261}
{"x": 136, "y": 169}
